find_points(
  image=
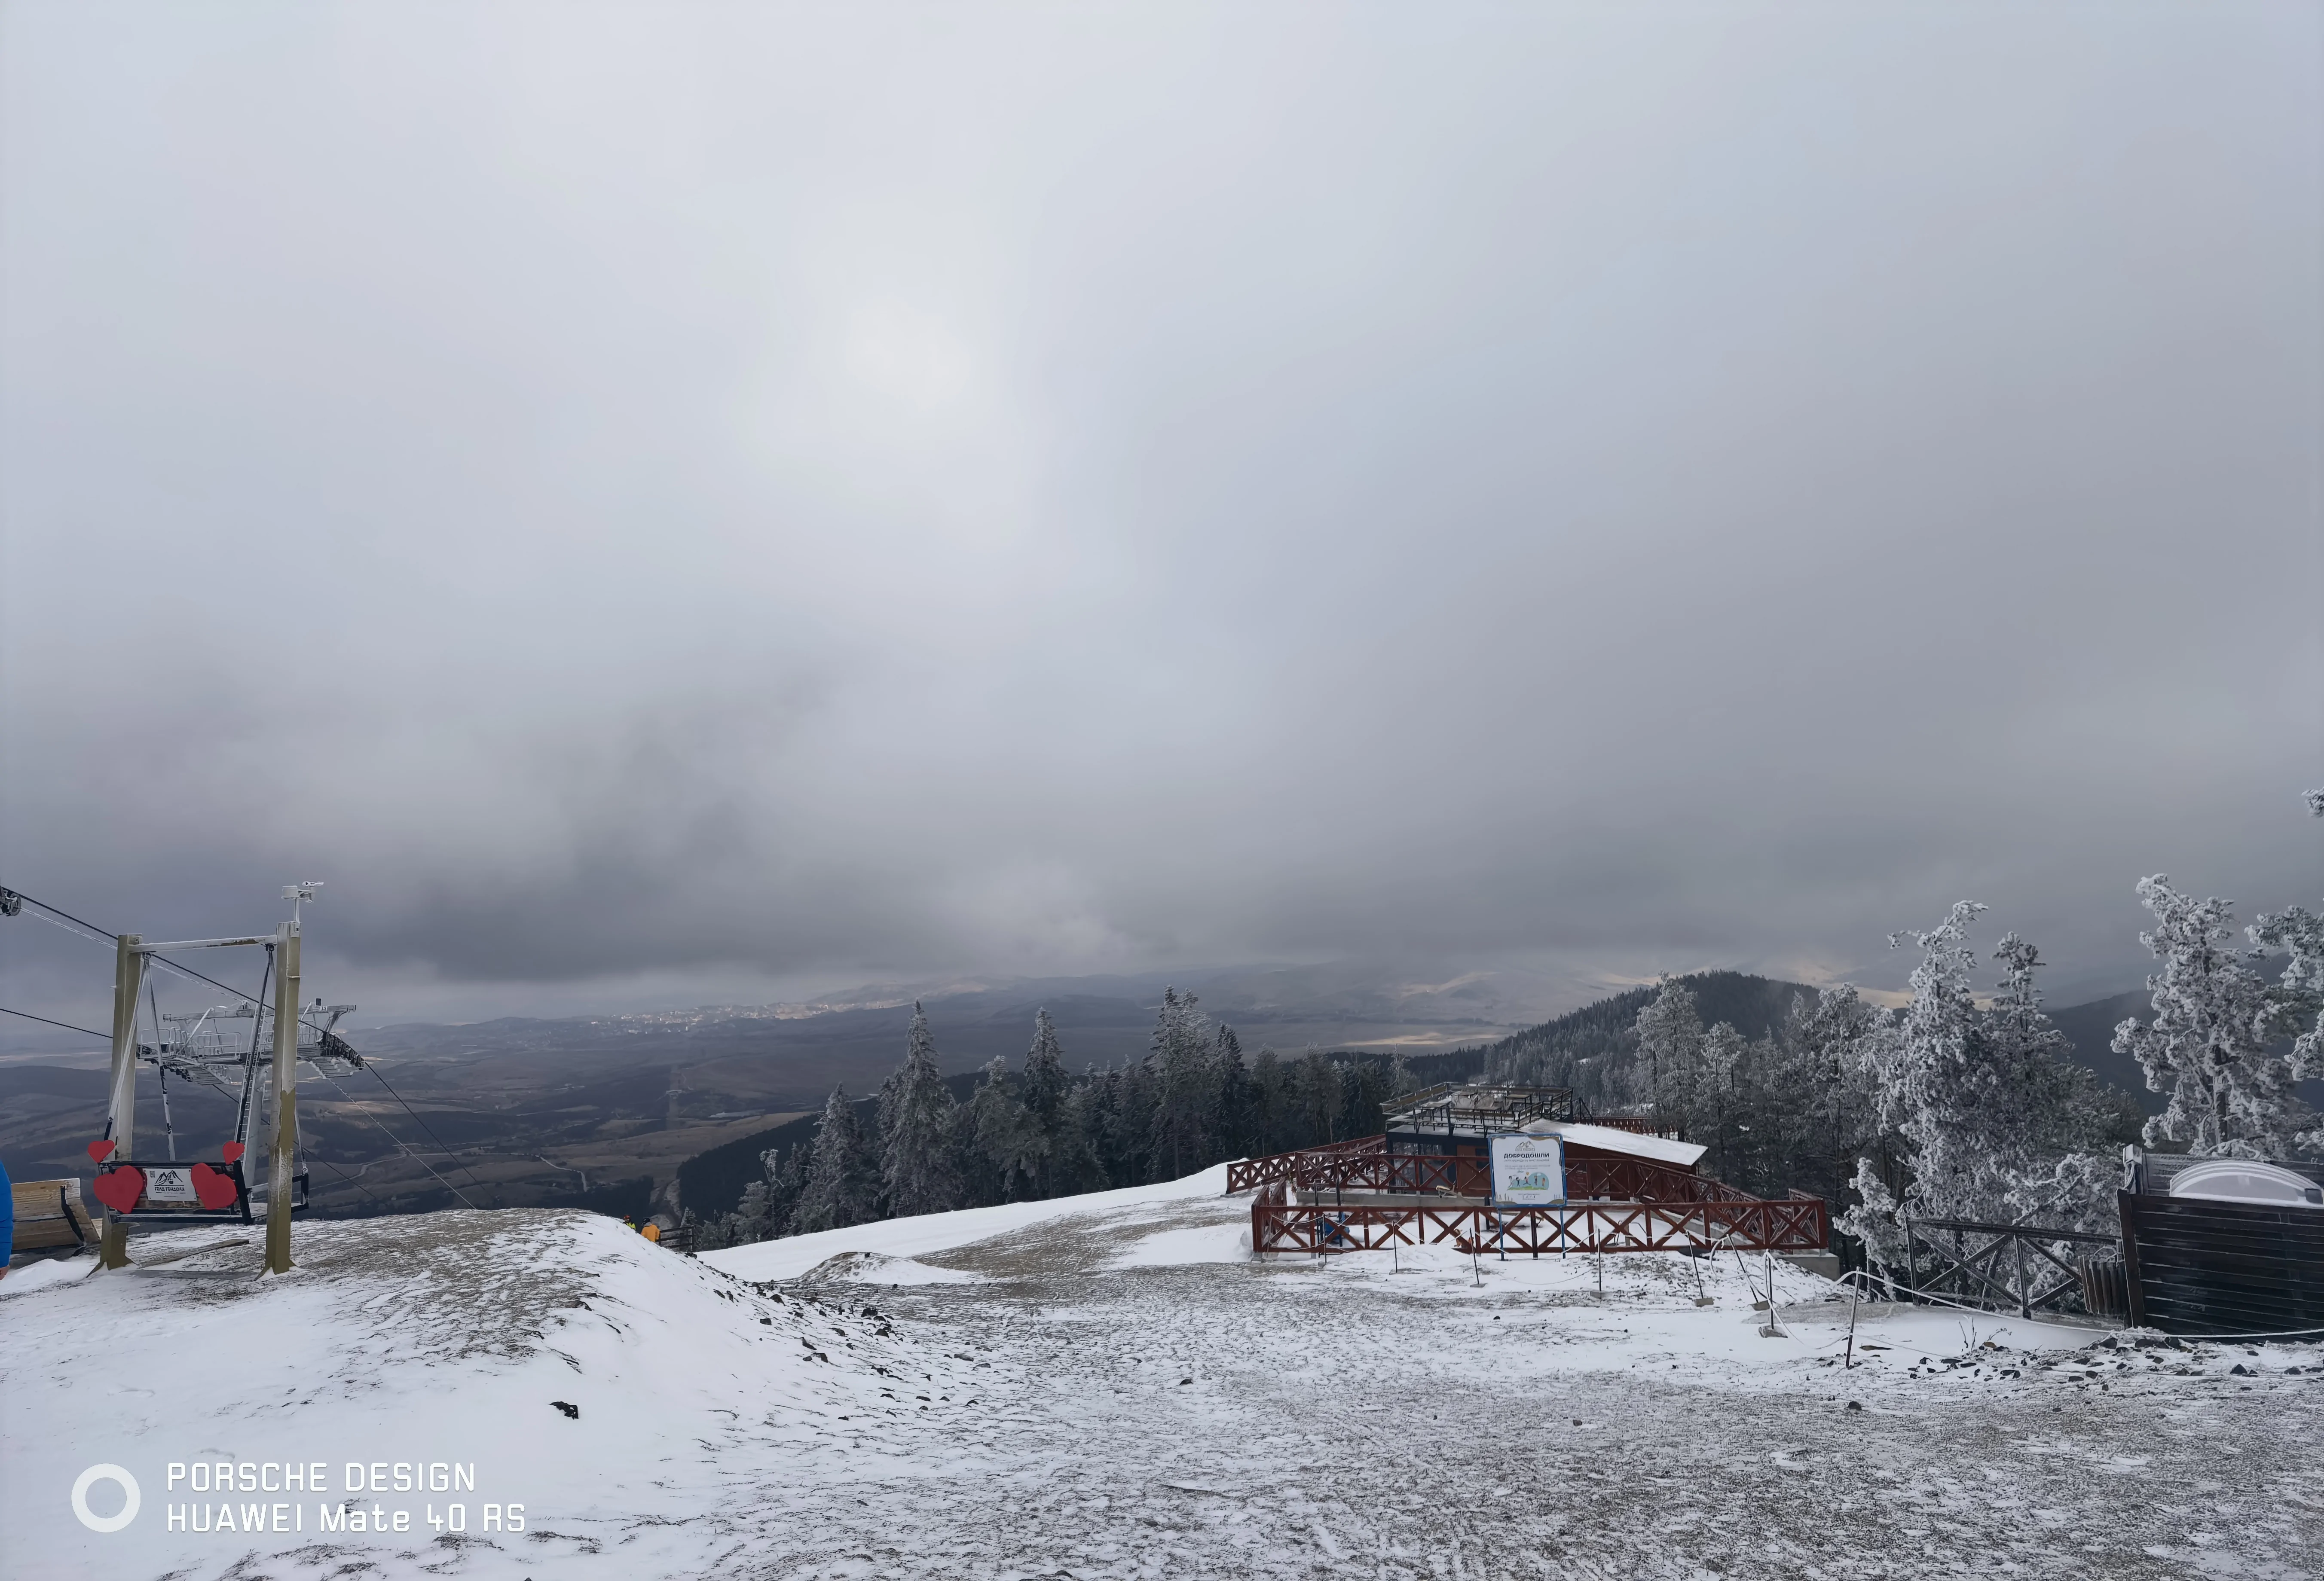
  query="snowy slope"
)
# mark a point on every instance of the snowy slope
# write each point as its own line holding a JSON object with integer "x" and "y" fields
{"x": 1123, "y": 1217}
{"x": 1110, "y": 1385}
{"x": 441, "y": 1338}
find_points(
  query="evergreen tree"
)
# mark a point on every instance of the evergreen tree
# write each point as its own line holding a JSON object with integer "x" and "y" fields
{"x": 1270, "y": 1105}
{"x": 841, "y": 1184}
{"x": 767, "y": 1203}
{"x": 1185, "y": 1094}
{"x": 1010, "y": 1147}
{"x": 1707, "y": 1093}
{"x": 1316, "y": 1099}
{"x": 1366, "y": 1087}
{"x": 1046, "y": 1086}
{"x": 2296, "y": 1002}
{"x": 2209, "y": 1047}
{"x": 1670, "y": 1043}
{"x": 1127, "y": 1146}
{"x": 1233, "y": 1107}
{"x": 917, "y": 1131}
{"x": 1818, "y": 1106}
{"x": 1991, "y": 1118}
{"x": 1074, "y": 1162}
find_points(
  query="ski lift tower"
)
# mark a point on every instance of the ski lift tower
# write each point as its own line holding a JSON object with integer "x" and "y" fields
{"x": 124, "y": 1186}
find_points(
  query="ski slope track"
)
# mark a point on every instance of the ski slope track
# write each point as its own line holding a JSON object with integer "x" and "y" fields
{"x": 1111, "y": 1387}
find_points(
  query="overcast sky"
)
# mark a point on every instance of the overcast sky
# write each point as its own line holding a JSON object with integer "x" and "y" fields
{"x": 662, "y": 501}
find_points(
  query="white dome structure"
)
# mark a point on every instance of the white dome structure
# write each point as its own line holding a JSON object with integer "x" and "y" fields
{"x": 2246, "y": 1180}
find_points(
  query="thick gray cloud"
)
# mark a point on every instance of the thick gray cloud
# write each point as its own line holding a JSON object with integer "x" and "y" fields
{"x": 644, "y": 497}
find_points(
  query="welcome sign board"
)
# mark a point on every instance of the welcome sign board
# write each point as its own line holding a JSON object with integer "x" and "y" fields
{"x": 1528, "y": 1172}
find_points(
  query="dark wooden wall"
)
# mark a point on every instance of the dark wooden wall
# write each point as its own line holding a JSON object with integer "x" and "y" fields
{"x": 2204, "y": 1267}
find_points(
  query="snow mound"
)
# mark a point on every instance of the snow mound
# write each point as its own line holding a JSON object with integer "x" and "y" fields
{"x": 40, "y": 1275}
{"x": 876, "y": 1268}
{"x": 578, "y": 1369}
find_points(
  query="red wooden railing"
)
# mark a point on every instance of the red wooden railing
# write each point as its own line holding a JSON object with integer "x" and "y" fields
{"x": 1638, "y": 1125}
{"x": 1244, "y": 1173}
{"x": 1798, "y": 1225}
{"x": 1365, "y": 1165}
{"x": 1613, "y": 1205}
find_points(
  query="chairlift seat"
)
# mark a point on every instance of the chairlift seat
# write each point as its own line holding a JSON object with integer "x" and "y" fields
{"x": 171, "y": 1190}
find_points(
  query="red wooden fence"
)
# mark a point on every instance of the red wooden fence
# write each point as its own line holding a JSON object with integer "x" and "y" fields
{"x": 1800, "y": 1224}
{"x": 1365, "y": 1166}
{"x": 1613, "y": 1205}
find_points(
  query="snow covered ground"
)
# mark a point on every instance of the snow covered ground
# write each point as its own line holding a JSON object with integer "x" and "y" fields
{"x": 1110, "y": 1385}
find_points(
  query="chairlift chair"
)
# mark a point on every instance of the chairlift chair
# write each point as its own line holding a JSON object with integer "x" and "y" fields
{"x": 209, "y": 1048}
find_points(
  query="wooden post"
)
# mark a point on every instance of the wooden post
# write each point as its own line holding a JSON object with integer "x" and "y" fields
{"x": 2133, "y": 1292}
{"x": 278, "y": 1186}
{"x": 128, "y": 978}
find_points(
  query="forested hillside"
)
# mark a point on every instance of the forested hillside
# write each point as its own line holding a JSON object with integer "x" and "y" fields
{"x": 1969, "y": 1102}
{"x": 1590, "y": 1049}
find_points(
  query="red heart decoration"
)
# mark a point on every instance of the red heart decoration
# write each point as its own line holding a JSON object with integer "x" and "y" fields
{"x": 119, "y": 1189}
{"x": 213, "y": 1189}
{"x": 99, "y": 1150}
{"x": 232, "y": 1151}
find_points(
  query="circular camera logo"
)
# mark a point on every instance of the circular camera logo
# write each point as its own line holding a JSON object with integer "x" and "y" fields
{"x": 89, "y": 1479}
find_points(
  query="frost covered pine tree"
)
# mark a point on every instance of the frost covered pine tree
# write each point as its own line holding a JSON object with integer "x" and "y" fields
{"x": 843, "y": 1174}
{"x": 1232, "y": 1101}
{"x": 916, "y": 1128}
{"x": 765, "y": 1209}
{"x": 1670, "y": 1042}
{"x": 1821, "y": 1105}
{"x": 1318, "y": 1099}
{"x": 2047, "y": 1117}
{"x": 2297, "y": 1000}
{"x": 1982, "y": 1102}
{"x": 1003, "y": 1138}
{"x": 1707, "y": 1092}
{"x": 1073, "y": 1163}
{"x": 2209, "y": 1046}
{"x": 1270, "y": 1101}
{"x": 1045, "y": 1094}
{"x": 1185, "y": 1095}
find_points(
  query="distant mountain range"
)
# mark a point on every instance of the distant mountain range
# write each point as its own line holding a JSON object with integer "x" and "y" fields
{"x": 524, "y": 1111}
{"x": 540, "y": 1110}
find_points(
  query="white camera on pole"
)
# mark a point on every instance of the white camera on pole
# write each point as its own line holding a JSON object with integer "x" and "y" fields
{"x": 298, "y": 895}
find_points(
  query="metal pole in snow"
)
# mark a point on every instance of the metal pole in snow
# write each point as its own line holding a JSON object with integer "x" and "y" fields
{"x": 278, "y": 1186}
{"x": 169, "y": 1127}
{"x": 120, "y": 1128}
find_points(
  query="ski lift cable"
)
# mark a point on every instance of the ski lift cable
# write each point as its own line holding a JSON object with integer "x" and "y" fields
{"x": 325, "y": 1163}
{"x": 67, "y": 1026}
{"x": 423, "y": 1126}
{"x": 399, "y": 1146}
{"x": 343, "y": 1174}
{"x": 102, "y": 937}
